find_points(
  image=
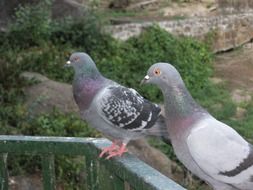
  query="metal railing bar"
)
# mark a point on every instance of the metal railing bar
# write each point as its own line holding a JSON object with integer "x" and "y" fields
{"x": 3, "y": 172}
{"x": 48, "y": 172}
{"x": 45, "y": 145}
{"x": 92, "y": 173}
{"x": 138, "y": 174}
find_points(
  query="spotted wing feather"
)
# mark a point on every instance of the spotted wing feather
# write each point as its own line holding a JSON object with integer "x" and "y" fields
{"x": 124, "y": 108}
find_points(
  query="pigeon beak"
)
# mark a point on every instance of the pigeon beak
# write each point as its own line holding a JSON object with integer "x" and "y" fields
{"x": 145, "y": 80}
{"x": 67, "y": 64}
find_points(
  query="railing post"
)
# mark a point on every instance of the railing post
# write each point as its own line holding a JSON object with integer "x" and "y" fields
{"x": 92, "y": 174}
{"x": 107, "y": 180}
{"x": 3, "y": 172}
{"x": 118, "y": 183}
{"x": 48, "y": 172}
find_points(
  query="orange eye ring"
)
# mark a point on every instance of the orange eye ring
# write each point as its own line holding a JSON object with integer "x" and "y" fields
{"x": 157, "y": 72}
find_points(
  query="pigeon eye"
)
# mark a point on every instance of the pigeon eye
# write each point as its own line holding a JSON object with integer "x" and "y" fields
{"x": 76, "y": 58}
{"x": 157, "y": 72}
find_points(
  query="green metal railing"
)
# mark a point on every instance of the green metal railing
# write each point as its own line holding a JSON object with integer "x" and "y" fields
{"x": 126, "y": 173}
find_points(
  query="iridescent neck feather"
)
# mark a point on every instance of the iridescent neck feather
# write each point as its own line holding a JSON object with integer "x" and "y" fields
{"x": 179, "y": 102}
{"x": 87, "y": 82}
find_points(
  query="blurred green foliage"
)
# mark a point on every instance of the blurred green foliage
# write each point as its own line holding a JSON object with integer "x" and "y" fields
{"x": 31, "y": 27}
{"x": 36, "y": 43}
{"x": 136, "y": 55}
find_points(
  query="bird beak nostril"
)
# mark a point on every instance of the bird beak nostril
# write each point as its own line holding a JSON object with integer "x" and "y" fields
{"x": 144, "y": 81}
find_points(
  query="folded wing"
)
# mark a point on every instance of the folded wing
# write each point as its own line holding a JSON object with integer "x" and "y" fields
{"x": 124, "y": 108}
{"x": 221, "y": 152}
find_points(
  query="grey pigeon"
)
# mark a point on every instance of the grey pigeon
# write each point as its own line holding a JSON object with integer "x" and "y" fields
{"x": 111, "y": 108}
{"x": 209, "y": 148}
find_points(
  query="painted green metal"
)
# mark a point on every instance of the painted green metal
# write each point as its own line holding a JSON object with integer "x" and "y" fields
{"x": 3, "y": 171}
{"x": 92, "y": 173}
{"x": 127, "y": 186}
{"x": 48, "y": 172}
{"x": 126, "y": 173}
{"x": 118, "y": 183}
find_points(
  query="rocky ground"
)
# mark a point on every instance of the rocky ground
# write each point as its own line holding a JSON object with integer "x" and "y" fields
{"x": 163, "y": 9}
{"x": 235, "y": 70}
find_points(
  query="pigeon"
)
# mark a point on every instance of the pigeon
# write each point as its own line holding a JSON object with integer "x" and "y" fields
{"x": 116, "y": 111}
{"x": 210, "y": 149}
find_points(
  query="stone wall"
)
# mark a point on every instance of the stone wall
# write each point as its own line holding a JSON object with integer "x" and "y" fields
{"x": 229, "y": 31}
{"x": 235, "y": 5}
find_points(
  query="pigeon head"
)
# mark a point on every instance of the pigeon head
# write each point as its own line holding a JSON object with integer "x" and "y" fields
{"x": 162, "y": 74}
{"x": 82, "y": 64}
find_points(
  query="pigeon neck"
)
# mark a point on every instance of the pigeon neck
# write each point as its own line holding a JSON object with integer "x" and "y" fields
{"x": 86, "y": 70}
{"x": 179, "y": 102}
{"x": 85, "y": 86}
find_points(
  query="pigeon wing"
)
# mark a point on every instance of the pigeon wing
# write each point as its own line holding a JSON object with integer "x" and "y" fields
{"x": 220, "y": 151}
{"x": 124, "y": 108}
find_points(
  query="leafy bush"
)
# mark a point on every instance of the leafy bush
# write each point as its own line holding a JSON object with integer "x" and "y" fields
{"x": 130, "y": 60}
{"x": 85, "y": 32}
{"x": 189, "y": 56}
{"x": 32, "y": 25}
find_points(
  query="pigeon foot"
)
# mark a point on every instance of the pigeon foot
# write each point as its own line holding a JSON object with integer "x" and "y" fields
{"x": 116, "y": 149}
{"x": 118, "y": 152}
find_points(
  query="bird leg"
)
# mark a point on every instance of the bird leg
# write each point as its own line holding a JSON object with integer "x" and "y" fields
{"x": 118, "y": 152}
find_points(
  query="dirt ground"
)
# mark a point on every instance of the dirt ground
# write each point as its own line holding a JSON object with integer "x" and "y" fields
{"x": 236, "y": 68}
{"x": 162, "y": 9}
{"x": 191, "y": 9}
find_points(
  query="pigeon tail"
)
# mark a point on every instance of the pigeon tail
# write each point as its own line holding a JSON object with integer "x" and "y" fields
{"x": 159, "y": 129}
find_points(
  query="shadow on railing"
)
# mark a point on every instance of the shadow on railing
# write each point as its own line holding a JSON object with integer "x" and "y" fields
{"x": 126, "y": 173}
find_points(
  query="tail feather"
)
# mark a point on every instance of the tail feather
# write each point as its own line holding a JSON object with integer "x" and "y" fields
{"x": 160, "y": 130}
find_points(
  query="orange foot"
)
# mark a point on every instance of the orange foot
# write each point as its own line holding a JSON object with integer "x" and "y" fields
{"x": 116, "y": 149}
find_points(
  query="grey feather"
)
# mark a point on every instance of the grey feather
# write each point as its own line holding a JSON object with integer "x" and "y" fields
{"x": 111, "y": 108}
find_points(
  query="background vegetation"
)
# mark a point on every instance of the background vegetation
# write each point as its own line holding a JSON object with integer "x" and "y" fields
{"x": 34, "y": 42}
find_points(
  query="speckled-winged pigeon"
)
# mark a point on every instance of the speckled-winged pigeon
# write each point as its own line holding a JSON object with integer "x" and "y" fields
{"x": 207, "y": 147}
{"x": 111, "y": 108}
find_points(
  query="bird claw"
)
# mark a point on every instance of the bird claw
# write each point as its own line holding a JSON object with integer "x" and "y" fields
{"x": 114, "y": 150}
{"x": 119, "y": 153}
{"x": 108, "y": 149}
